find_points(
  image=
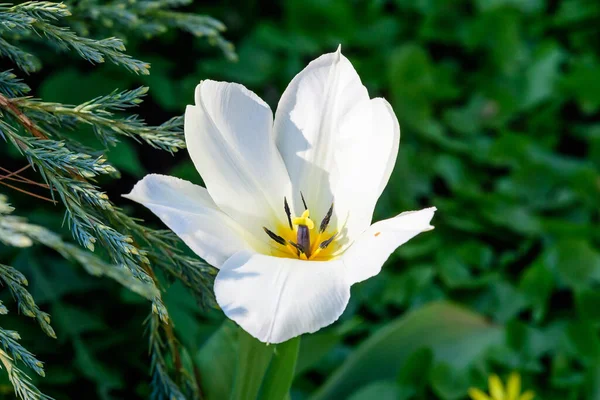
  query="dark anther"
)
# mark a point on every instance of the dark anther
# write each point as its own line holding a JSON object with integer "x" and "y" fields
{"x": 286, "y": 207}
{"x": 275, "y": 237}
{"x": 327, "y": 242}
{"x": 303, "y": 201}
{"x": 297, "y": 247}
{"x": 326, "y": 219}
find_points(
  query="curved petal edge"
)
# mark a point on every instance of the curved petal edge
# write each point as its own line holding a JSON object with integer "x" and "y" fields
{"x": 275, "y": 299}
{"x": 229, "y": 137}
{"x": 365, "y": 257}
{"x": 189, "y": 211}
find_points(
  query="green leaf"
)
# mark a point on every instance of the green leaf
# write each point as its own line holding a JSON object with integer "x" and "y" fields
{"x": 452, "y": 271}
{"x": 453, "y": 334}
{"x": 414, "y": 286}
{"x": 503, "y": 301}
{"x": 499, "y": 32}
{"x": 183, "y": 309}
{"x": 587, "y": 304}
{"x": 537, "y": 283}
{"x": 252, "y": 363}
{"x": 582, "y": 83}
{"x": 528, "y": 6}
{"x": 447, "y": 383}
{"x": 75, "y": 321}
{"x": 384, "y": 390}
{"x": 565, "y": 372}
{"x": 216, "y": 362}
{"x": 415, "y": 370}
{"x": 542, "y": 74}
{"x": 314, "y": 348}
{"x": 412, "y": 83}
{"x": 592, "y": 383}
{"x": 576, "y": 11}
{"x": 576, "y": 262}
{"x": 279, "y": 377}
{"x": 583, "y": 338}
{"x": 93, "y": 369}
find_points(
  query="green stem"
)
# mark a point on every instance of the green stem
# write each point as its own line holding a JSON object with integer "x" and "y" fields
{"x": 253, "y": 360}
{"x": 279, "y": 377}
{"x": 265, "y": 369}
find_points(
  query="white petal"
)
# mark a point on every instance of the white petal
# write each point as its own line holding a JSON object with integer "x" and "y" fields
{"x": 366, "y": 155}
{"x": 275, "y": 299}
{"x": 336, "y": 143}
{"x": 229, "y": 138}
{"x": 365, "y": 257}
{"x": 307, "y": 124}
{"x": 188, "y": 210}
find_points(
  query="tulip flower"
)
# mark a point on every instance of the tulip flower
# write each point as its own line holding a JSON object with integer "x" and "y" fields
{"x": 287, "y": 209}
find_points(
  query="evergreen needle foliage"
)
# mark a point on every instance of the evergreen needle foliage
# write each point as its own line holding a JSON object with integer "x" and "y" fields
{"x": 116, "y": 245}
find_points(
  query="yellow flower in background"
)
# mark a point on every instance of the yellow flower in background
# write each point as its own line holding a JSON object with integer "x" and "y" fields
{"x": 499, "y": 392}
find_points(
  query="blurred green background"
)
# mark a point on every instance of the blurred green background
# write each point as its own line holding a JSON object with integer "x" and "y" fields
{"x": 499, "y": 106}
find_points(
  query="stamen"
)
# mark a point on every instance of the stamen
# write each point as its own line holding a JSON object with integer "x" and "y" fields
{"x": 296, "y": 246}
{"x": 326, "y": 219}
{"x": 275, "y": 237}
{"x": 286, "y": 207}
{"x": 304, "y": 248}
{"x": 322, "y": 246}
{"x": 327, "y": 242}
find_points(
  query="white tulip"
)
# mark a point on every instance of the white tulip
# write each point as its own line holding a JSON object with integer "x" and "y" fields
{"x": 286, "y": 213}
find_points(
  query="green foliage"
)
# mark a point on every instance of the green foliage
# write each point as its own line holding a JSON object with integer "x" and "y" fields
{"x": 448, "y": 333}
{"x": 34, "y": 20}
{"x": 11, "y": 233}
{"x": 498, "y": 103}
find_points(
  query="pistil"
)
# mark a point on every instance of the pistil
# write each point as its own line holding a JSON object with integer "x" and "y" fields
{"x": 303, "y": 239}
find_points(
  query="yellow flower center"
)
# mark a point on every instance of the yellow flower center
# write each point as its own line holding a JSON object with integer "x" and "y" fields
{"x": 302, "y": 239}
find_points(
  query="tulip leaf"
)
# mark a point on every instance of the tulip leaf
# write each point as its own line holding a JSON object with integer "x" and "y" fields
{"x": 447, "y": 383}
{"x": 279, "y": 377}
{"x": 415, "y": 370}
{"x": 592, "y": 384}
{"x": 216, "y": 362}
{"x": 381, "y": 390}
{"x": 314, "y": 348}
{"x": 454, "y": 335}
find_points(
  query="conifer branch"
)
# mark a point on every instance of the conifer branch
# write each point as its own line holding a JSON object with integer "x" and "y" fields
{"x": 150, "y": 18}
{"x": 24, "y": 389}
{"x": 16, "y": 231}
{"x": 100, "y": 113}
{"x": 69, "y": 171}
{"x": 11, "y": 86}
